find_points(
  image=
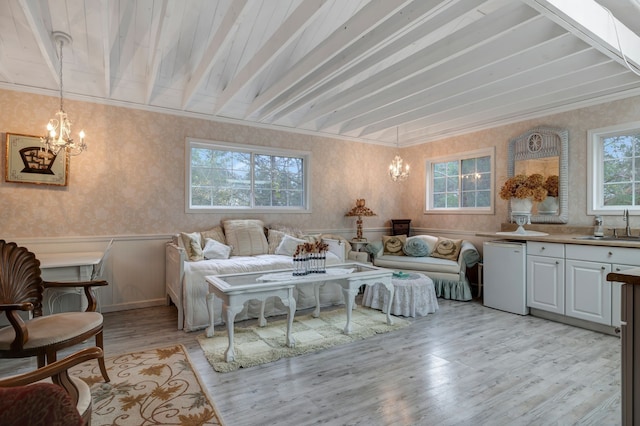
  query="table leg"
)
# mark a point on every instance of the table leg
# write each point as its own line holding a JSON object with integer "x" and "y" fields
{"x": 262, "y": 322}
{"x": 231, "y": 312}
{"x": 349, "y": 300}
{"x": 291, "y": 303}
{"x": 316, "y": 293}
{"x": 391, "y": 290}
{"x": 210, "y": 301}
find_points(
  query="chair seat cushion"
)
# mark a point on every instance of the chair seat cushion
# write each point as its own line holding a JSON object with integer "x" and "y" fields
{"x": 53, "y": 329}
{"x": 40, "y": 403}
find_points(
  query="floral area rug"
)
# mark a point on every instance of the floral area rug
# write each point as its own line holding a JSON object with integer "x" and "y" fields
{"x": 152, "y": 387}
{"x": 259, "y": 345}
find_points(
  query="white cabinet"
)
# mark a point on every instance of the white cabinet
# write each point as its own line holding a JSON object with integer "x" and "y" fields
{"x": 590, "y": 287}
{"x": 571, "y": 279}
{"x": 587, "y": 291}
{"x": 545, "y": 277}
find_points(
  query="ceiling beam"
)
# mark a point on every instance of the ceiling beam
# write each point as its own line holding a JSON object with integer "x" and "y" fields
{"x": 216, "y": 45}
{"x": 595, "y": 25}
{"x": 285, "y": 88}
{"x": 106, "y": 46}
{"x": 431, "y": 20}
{"x": 382, "y": 40}
{"x": 286, "y": 34}
{"x": 160, "y": 34}
{"x": 416, "y": 69}
{"x": 4, "y": 73}
{"x": 492, "y": 84}
{"x": 42, "y": 37}
{"x": 536, "y": 100}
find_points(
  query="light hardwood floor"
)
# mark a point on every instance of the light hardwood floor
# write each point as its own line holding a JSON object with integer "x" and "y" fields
{"x": 464, "y": 365}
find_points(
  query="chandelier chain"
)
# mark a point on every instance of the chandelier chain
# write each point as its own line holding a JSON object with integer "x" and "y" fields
{"x": 60, "y": 75}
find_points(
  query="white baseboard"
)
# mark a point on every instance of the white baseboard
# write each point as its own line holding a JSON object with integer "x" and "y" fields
{"x": 134, "y": 305}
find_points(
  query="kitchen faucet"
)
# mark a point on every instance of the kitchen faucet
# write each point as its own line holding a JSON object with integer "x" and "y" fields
{"x": 626, "y": 219}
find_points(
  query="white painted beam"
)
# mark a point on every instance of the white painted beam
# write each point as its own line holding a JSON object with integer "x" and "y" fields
{"x": 397, "y": 32}
{"x": 106, "y": 46}
{"x": 592, "y": 23}
{"x": 286, "y": 34}
{"x": 400, "y": 80}
{"x": 43, "y": 38}
{"x": 222, "y": 36}
{"x": 436, "y": 17}
{"x": 160, "y": 34}
{"x": 362, "y": 22}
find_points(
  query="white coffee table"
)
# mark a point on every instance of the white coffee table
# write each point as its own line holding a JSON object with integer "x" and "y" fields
{"x": 414, "y": 295}
{"x": 236, "y": 289}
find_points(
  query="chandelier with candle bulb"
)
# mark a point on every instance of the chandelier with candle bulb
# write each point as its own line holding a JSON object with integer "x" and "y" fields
{"x": 398, "y": 170}
{"x": 58, "y": 135}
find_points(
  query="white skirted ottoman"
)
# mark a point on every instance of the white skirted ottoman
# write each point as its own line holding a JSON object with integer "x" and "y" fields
{"x": 414, "y": 295}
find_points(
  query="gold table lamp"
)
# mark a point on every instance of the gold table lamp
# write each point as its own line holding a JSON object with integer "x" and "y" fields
{"x": 360, "y": 210}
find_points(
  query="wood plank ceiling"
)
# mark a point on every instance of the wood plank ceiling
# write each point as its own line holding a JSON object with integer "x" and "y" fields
{"x": 353, "y": 69}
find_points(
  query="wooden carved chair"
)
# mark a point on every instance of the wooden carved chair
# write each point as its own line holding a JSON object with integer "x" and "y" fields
{"x": 31, "y": 398}
{"x": 21, "y": 288}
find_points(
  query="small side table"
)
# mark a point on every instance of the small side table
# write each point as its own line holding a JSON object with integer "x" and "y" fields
{"x": 357, "y": 245}
{"x": 400, "y": 227}
{"x": 413, "y": 295}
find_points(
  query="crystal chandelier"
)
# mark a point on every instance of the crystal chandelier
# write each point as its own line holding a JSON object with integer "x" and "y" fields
{"x": 59, "y": 129}
{"x": 397, "y": 171}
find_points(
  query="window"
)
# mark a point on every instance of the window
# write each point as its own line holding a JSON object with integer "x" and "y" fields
{"x": 614, "y": 169}
{"x": 223, "y": 176}
{"x": 462, "y": 183}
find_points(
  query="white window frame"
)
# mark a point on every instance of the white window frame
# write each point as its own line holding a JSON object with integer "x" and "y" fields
{"x": 253, "y": 149}
{"x": 428, "y": 202}
{"x": 595, "y": 169}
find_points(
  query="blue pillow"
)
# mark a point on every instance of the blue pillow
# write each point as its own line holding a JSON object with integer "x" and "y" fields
{"x": 416, "y": 247}
{"x": 374, "y": 248}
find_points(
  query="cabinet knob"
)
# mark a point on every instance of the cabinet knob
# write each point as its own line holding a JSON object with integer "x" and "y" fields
{"x": 602, "y": 268}
{"x": 610, "y": 254}
{"x": 542, "y": 248}
{"x": 557, "y": 263}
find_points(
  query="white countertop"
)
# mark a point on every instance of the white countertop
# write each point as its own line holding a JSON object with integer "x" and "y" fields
{"x": 559, "y": 238}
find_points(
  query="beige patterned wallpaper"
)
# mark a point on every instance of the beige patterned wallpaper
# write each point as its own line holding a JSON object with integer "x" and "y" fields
{"x": 131, "y": 180}
{"x": 578, "y": 122}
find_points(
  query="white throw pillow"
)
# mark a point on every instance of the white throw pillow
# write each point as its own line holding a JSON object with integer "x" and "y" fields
{"x": 215, "y": 250}
{"x": 288, "y": 245}
{"x": 246, "y": 236}
{"x": 335, "y": 246}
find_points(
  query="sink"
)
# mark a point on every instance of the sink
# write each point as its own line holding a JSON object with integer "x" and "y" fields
{"x": 618, "y": 238}
{"x": 591, "y": 237}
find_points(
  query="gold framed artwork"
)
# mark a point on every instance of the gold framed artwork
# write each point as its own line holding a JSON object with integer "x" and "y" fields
{"x": 27, "y": 162}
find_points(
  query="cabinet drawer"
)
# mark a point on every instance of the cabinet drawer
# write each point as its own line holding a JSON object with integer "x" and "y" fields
{"x": 545, "y": 249}
{"x": 624, "y": 255}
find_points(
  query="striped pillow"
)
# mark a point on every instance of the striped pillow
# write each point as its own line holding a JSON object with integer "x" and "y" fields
{"x": 246, "y": 236}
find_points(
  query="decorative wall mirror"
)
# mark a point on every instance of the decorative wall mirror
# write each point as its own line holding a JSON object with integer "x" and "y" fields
{"x": 543, "y": 150}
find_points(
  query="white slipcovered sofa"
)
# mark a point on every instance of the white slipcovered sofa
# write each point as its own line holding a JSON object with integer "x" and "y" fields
{"x": 241, "y": 246}
{"x": 443, "y": 260}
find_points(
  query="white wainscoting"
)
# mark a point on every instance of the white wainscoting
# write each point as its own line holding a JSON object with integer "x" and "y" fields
{"x": 135, "y": 268}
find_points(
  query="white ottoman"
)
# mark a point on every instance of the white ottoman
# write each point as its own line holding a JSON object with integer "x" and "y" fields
{"x": 414, "y": 295}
